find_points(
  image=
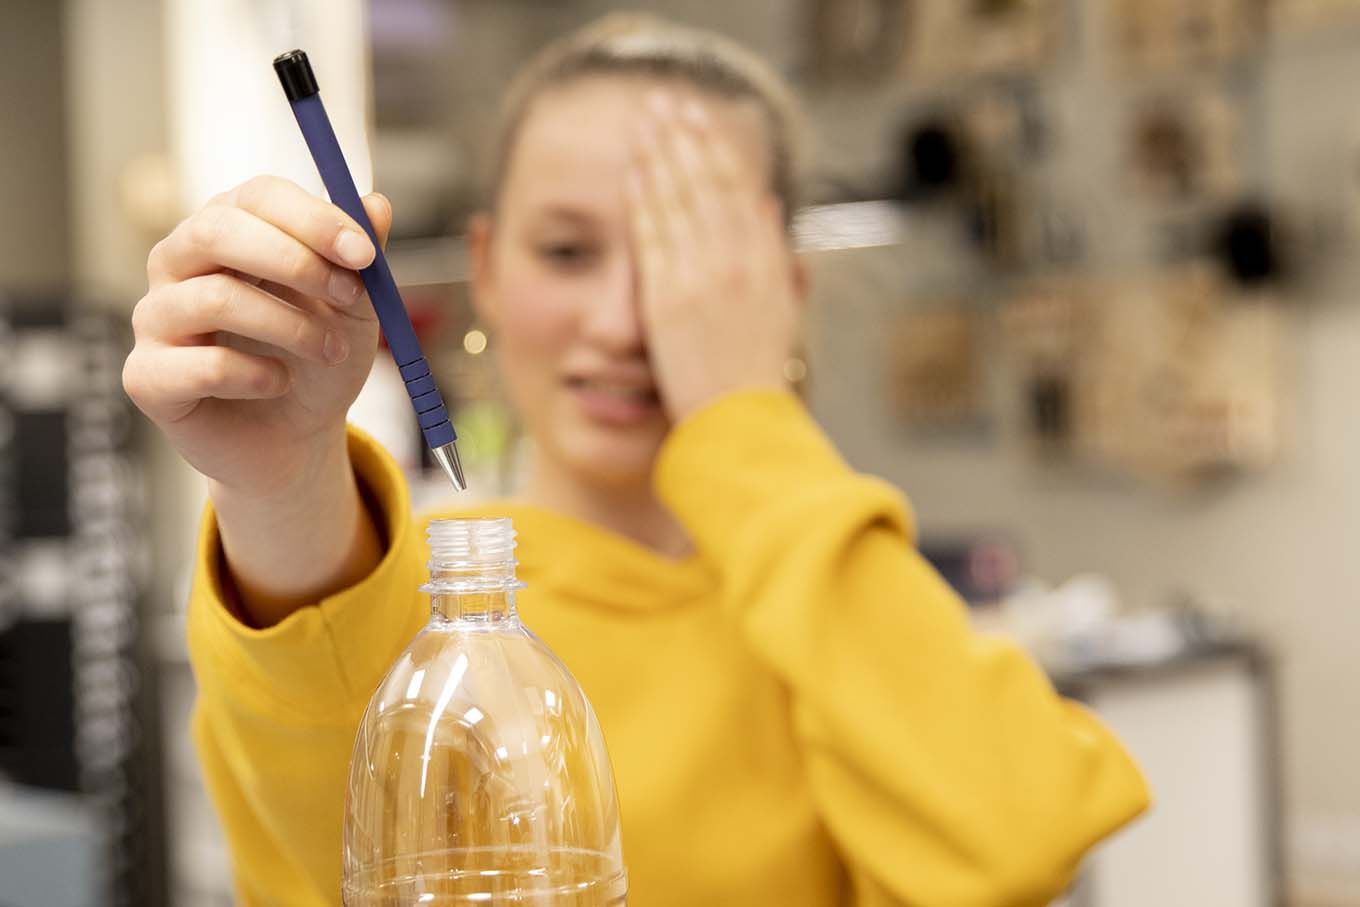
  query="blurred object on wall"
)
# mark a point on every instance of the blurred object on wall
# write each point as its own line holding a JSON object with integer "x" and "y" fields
{"x": 935, "y": 373}
{"x": 149, "y": 193}
{"x": 1168, "y": 377}
{"x": 1047, "y": 328}
{"x": 858, "y": 39}
{"x": 418, "y": 164}
{"x": 1182, "y": 147}
{"x": 73, "y": 688}
{"x": 37, "y": 682}
{"x": 1014, "y": 221}
{"x": 949, "y": 39}
{"x": 933, "y": 160}
{"x": 1246, "y": 242}
{"x": 1006, "y": 119}
{"x": 944, "y": 170}
{"x": 1151, "y": 36}
{"x": 115, "y": 724}
{"x": 983, "y": 569}
{"x": 1295, "y": 15}
{"x": 849, "y": 225}
{"x": 993, "y": 217}
{"x": 229, "y": 120}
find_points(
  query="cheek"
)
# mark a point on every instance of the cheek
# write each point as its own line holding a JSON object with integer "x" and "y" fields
{"x": 536, "y": 324}
{"x": 535, "y": 329}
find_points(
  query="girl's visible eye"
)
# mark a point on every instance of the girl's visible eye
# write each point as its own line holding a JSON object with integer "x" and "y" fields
{"x": 566, "y": 254}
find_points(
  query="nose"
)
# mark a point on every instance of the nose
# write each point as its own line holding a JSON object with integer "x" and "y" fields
{"x": 612, "y": 318}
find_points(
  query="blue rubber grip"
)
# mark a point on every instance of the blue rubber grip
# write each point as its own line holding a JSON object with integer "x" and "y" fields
{"x": 382, "y": 288}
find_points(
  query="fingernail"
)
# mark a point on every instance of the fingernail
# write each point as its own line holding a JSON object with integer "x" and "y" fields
{"x": 354, "y": 249}
{"x": 345, "y": 287}
{"x": 335, "y": 348}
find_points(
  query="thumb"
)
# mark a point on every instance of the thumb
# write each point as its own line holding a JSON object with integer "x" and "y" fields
{"x": 379, "y": 211}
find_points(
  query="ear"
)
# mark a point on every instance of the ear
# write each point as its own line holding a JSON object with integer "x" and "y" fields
{"x": 479, "y": 258}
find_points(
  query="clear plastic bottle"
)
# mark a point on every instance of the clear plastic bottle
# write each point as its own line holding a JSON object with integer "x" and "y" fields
{"x": 479, "y": 773}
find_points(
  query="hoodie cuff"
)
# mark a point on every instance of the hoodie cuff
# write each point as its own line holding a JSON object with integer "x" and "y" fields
{"x": 331, "y": 653}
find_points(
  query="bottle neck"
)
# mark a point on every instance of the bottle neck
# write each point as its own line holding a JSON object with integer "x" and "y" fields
{"x": 472, "y": 571}
{"x": 457, "y": 596}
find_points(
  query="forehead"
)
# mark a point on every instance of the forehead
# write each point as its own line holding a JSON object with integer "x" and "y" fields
{"x": 575, "y": 142}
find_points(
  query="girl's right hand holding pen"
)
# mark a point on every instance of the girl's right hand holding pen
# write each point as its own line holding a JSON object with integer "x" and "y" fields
{"x": 254, "y": 338}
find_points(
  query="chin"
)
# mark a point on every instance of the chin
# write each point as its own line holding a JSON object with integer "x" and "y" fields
{"x": 611, "y": 457}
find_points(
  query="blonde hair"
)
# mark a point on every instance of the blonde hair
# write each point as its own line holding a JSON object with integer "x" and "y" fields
{"x": 636, "y": 44}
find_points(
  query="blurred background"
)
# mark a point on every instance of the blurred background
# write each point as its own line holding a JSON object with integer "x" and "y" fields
{"x": 1085, "y": 278}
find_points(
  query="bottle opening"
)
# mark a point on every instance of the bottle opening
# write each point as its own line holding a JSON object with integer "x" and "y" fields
{"x": 476, "y": 555}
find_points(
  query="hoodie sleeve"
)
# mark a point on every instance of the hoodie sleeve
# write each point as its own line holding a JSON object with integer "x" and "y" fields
{"x": 277, "y": 708}
{"x": 945, "y": 766}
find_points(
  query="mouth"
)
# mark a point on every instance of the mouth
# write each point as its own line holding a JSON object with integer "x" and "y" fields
{"x": 614, "y": 402}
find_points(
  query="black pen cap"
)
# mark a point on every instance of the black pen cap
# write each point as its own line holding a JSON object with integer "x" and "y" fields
{"x": 296, "y": 75}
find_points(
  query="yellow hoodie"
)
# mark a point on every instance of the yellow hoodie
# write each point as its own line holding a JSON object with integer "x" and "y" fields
{"x": 798, "y": 714}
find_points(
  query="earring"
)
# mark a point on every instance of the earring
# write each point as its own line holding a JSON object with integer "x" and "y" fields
{"x": 796, "y": 373}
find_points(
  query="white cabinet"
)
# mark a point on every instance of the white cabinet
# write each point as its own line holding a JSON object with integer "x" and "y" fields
{"x": 1202, "y": 730}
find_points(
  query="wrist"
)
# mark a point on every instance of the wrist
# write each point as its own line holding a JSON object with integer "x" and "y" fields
{"x": 299, "y": 543}
{"x": 687, "y": 406}
{"x": 297, "y": 479}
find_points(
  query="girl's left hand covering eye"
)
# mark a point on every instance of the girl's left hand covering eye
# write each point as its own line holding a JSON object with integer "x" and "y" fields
{"x": 714, "y": 269}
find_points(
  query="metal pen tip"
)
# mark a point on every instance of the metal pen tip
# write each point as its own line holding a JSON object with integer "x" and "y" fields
{"x": 447, "y": 456}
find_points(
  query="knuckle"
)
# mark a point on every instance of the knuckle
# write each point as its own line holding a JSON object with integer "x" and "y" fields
{"x": 216, "y": 296}
{"x": 140, "y": 315}
{"x": 155, "y": 259}
{"x": 159, "y": 260}
{"x": 247, "y": 194}
{"x": 255, "y": 191}
{"x": 300, "y": 267}
{"x": 205, "y": 227}
{"x": 227, "y": 197}
{"x": 263, "y": 380}
{"x": 305, "y": 337}
{"x": 133, "y": 383}
{"x": 216, "y": 368}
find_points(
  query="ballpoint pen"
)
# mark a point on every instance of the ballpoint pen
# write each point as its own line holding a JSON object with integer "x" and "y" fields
{"x": 299, "y": 84}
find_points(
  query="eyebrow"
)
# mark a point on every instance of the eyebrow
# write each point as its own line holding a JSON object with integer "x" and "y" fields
{"x": 565, "y": 211}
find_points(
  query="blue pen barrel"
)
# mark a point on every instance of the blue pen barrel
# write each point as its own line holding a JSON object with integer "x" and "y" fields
{"x": 316, "y": 128}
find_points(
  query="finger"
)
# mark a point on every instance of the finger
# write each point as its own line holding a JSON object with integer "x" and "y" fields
{"x": 167, "y": 382}
{"x": 679, "y": 148}
{"x": 661, "y": 183}
{"x": 711, "y": 186}
{"x": 645, "y": 231}
{"x": 226, "y": 236}
{"x": 728, "y": 179}
{"x": 379, "y": 210}
{"x": 380, "y": 215}
{"x": 728, "y": 166}
{"x": 320, "y": 225}
{"x": 183, "y": 313}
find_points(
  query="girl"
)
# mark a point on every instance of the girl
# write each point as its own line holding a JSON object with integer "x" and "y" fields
{"x": 797, "y": 711}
